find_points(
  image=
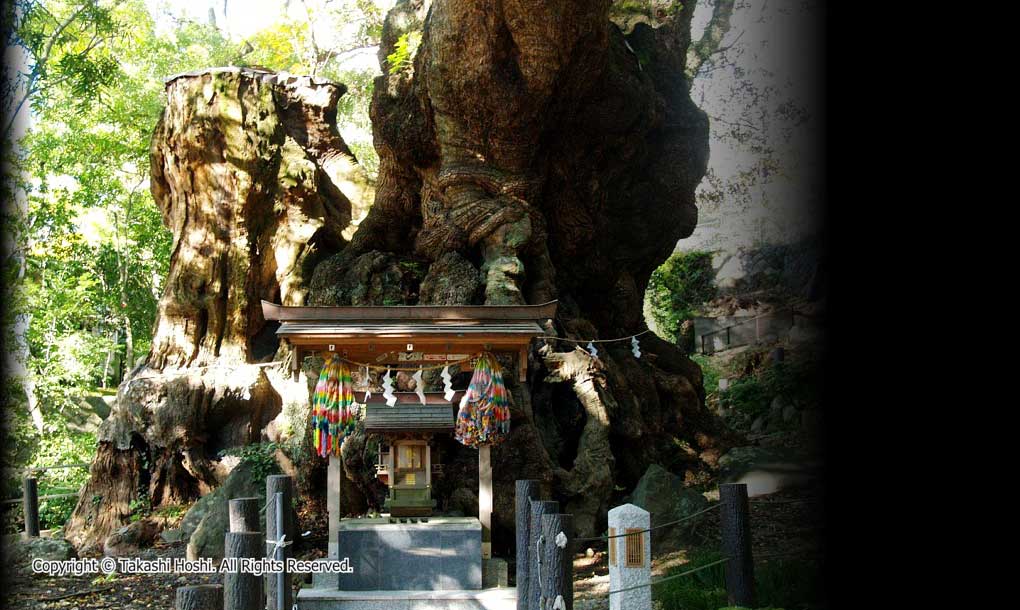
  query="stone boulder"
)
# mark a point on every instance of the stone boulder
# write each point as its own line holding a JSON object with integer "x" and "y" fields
{"x": 129, "y": 540}
{"x": 767, "y": 470}
{"x": 50, "y": 549}
{"x": 464, "y": 501}
{"x": 663, "y": 494}
{"x": 208, "y": 520}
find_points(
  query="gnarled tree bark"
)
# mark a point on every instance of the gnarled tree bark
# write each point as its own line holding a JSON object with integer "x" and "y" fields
{"x": 245, "y": 168}
{"x": 530, "y": 151}
{"x": 557, "y": 157}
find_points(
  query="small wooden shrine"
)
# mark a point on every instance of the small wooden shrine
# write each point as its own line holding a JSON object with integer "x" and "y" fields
{"x": 407, "y": 423}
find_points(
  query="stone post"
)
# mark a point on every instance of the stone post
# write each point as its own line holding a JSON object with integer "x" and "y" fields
{"x": 527, "y": 490}
{"x": 30, "y": 502}
{"x": 244, "y": 514}
{"x": 557, "y": 586}
{"x": 735, "y": 529}
{"x": 274, "y": 529}
{"x": 630, "y": 558}
{"x": 538, "y": 508}
{"x": 199, "y": 597}
{"x": 243, "y": 590}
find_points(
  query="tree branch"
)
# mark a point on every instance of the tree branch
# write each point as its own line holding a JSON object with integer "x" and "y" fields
{"x": 40, "y": 65}
{"x": 711, "y": 39}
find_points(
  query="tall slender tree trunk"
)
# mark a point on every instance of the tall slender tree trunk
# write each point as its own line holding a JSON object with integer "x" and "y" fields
{"x": 109, "y": 356}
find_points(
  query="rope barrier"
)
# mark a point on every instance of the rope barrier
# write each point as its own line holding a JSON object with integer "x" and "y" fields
{"x": 379, "y": 367}
{"x": 383, "y": 367}
{"x": 587, "y": 341}
{"x": 655, "y": 582}
{"x": 654, "y": 527}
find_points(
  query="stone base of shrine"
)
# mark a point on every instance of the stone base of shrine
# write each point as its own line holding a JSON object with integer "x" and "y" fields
{"x": 476, "y": 599}
{"x": 437, "y": 554}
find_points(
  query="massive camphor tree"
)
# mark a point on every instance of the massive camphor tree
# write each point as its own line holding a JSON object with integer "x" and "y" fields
{"x": 529, "y": 150}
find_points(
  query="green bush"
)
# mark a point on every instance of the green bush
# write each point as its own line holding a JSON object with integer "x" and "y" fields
{"x": 794, "y": 380}
{"x": 679, "y": 288}
{"x": 709, "y": 373}
{"x": 260, "y": 456}
{"x": 54, "y": 447}
{"x": 791, "y": 584}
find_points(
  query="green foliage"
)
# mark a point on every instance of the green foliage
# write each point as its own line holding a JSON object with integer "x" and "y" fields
{"x": 709, "y": 373}
{"x": 704, "y": 590}
{"x": 404, "y": 51}
{"x": 172, "y": 512}
{"x": 792, "y": 584}
{"x": 31, "y": 449}
{"x": 794, "y": 380}
{"x": 261, "y": 457}
{"x": 679, "y": 288}
{"x": 140, "y": 508}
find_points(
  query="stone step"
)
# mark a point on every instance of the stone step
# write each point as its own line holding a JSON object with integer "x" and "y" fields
{"x": 504, "y": 598}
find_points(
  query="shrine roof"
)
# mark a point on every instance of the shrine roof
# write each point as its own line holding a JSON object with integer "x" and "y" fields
{"x": 421, "y": 314}
{"x": 408, "y": 417}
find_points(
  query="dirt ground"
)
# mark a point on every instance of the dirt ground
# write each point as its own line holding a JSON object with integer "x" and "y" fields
{"x": 784, "y": 524}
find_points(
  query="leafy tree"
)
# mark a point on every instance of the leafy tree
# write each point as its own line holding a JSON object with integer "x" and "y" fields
{"x": 679, "y": 288}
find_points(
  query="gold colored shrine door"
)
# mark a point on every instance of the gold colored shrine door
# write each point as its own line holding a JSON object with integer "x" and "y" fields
{"x": 411, "y": 465}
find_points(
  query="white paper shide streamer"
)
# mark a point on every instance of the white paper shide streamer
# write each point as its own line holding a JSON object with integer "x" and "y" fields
{"x": 635, "y": 347}
{"x": 592, "y": 350}
{"x": 419, "y": 386}
{"x": 368, "y": 383}
{"x": 448, "y": 391}
{"x": 387, "y": 384}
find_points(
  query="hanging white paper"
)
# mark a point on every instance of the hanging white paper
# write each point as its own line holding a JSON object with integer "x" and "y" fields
{"x": 591, "y": 350}
{"x": 447, "y": 383}
{"x": 368, "y": 384}
{"x": 419, "y": 386}
{"x": 635, "y": 347}
{"x": 387, "y": 384}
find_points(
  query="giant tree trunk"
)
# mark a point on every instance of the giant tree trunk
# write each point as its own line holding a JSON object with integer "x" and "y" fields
{"x": 244, "y": 169}
{"x": 531, "y": 151}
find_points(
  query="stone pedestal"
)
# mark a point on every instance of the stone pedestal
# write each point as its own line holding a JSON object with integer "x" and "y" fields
{"x": 444, "y": 553}
{"x": 481, "y": 599}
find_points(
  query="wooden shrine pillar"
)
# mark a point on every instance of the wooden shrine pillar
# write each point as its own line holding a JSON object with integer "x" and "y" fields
{"x": 485, "y": 498}
{"x": 333, "y": 473}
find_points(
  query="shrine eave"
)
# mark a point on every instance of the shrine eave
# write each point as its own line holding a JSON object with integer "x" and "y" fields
{"x": 434, "y": 313}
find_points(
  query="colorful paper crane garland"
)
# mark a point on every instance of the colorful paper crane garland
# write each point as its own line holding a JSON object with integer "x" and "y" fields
{"x": 334, "y": 413}
{"x": 484, "y": 415}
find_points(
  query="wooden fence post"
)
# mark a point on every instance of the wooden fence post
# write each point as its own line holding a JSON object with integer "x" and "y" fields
{"x": 199, "y": 597}
{"x": 30, "y": 501}
{"x": 736, "y": 544}
{"x": 242, "y": 590}
{"x": 538, "y": 508}
{"x": 284, "y": 485}
{"x": 527, "y": 490}
{"x": 244, "y": 514}
{"x": 557, "y": 584}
